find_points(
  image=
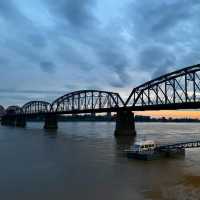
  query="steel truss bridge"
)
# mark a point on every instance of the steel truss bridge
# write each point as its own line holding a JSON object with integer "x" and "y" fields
{"x": 176, "y": 90}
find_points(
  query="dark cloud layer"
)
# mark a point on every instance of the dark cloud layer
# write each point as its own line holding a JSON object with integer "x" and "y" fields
{"x": 157, "y": 59}
{"x": 9, "y": 12}
{"x": 47, "y": 66}
{"x": 165, "y": 32}
{"x": 74, "y": 44}
{"x": 107, "y": 47}
{"x": 75, "y": 13}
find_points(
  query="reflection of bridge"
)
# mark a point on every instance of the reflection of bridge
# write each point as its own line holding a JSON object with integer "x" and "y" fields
{"x": 176, "y": 90}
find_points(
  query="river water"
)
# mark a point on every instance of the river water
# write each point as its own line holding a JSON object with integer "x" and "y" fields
{"x": 85, "y": 161}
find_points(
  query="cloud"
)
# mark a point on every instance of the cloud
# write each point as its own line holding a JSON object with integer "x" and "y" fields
{"x": 151, "y": 18}
{"x": 110, "y": 55}
{"x": 31, "y": 91}
{"x": 156, "y": 59}
{"x": 47, "y": 66}
{"x": 104, "y": 50}
{"x": 9, "y": 12}
{"x": 76, "y": 13}
{"x": 93, "y": 44}
{"x": 37, "y": 40}
{"x": 164, "y": 34}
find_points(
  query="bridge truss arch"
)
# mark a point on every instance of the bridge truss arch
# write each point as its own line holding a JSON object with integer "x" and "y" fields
{"x": 87, "y": 101}
{"x": 179, "y": 89}
{"x": 35, "y": 107}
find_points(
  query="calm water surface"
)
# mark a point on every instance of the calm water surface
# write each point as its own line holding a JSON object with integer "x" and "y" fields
{"x": 85, "y": 161}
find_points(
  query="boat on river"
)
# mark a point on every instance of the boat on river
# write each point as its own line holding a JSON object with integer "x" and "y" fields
{"x": 144, "y": 150}
{"x": 150, "y": 150}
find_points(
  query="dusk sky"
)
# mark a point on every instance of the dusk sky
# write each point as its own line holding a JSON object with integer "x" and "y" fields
{"x": 49, "y": 48}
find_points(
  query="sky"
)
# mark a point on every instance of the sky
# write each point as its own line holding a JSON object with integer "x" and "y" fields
{"x": 49, "y": 48}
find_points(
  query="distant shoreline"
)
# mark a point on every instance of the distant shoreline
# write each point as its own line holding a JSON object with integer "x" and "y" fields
{"x": 105, "y": 118}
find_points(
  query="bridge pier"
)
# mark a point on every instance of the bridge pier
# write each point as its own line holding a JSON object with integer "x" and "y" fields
{"x": 93, "y": 114}
{"x": 20, "y": 121}
{"x": 125, "y": 124}
{"x": 11, "y": 120}
{"x": 8, "y": 120}
{"x": 51, "y": 121}
{"x": 109, "y": 114}
{"x": 4, "y": 120}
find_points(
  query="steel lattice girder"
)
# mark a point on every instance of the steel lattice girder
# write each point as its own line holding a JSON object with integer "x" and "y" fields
{"x": 181, "y": 86}
{"x": 35, "y": 107}
{"x": 87, "y": 100}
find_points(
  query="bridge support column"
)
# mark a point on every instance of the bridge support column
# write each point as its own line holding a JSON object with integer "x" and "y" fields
{"x": 8, "y": 120}
{"x": 51, "y": 122}
{"x": 125, "y": 124}
{"x": 109, "y": 114}
{"x": 93, "y": 114}
{"x": 20, "y": 121}
{"x": 4, "y": 120}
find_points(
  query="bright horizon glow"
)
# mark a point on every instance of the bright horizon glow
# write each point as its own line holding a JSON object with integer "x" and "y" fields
{"x": 171, "y": 113}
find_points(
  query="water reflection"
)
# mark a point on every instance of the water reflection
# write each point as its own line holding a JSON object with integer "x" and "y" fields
{"x": 123, "y": 143}
{"x": 50, "y": 133}
{"x": 174, "y": 192}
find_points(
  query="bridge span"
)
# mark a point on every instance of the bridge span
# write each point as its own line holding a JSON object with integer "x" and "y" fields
{"x": 176, "y": 90}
